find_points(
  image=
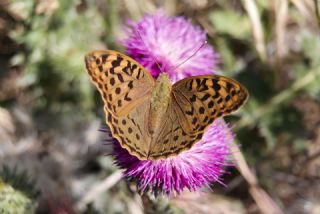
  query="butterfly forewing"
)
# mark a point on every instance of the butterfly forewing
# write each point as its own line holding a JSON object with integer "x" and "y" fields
{"x": 202, "y": 99}
{"x": 125, "y": 87}
{"x": 122, "y": 82}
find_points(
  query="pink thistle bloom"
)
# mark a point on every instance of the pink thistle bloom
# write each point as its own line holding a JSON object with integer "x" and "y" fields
{"x": 171, "y": 41}
{"x": 191, "y": 169}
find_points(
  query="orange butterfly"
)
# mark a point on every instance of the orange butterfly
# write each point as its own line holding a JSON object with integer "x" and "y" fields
{"x": 155, "y": 119}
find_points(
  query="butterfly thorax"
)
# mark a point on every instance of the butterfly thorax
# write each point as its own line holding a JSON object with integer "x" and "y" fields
{"x": 159, "y": 102}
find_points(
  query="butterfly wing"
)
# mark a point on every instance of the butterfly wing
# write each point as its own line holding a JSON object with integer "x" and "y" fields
{"x": 115, "y": 76}
{"x": 196, "y": 102}
{"x": 202, "y": 99}
{"x": 125, "y": 87}
{"x": 171, "y": 138}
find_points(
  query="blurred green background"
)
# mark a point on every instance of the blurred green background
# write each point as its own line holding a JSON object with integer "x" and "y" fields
{"x": 51, "y": 155}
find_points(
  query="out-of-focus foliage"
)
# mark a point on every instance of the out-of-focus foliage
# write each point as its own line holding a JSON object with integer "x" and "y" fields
{"x": 18, "y": 180}
{"x": 50, "y": 114}
{"x": 13, "y": 201}
{"x": 17, "y": 193}
{"x": 54, "y": 41}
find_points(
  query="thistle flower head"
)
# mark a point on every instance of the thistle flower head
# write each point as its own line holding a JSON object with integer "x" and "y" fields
{"x": 171, "y": 41}
{"x": 191, "y": 169}
{"x": 158, "y": 40}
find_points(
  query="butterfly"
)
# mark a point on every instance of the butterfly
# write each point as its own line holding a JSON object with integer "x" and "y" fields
{"x": 153, "y": 119}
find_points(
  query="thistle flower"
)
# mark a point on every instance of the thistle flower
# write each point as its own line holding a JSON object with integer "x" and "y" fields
{"x": 171, "y": 41}
{"x": 191, "y": 169}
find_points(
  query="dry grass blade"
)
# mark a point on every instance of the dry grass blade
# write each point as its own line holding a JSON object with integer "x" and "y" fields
{"x": 263, "y": 200}
{"x": 170, "y": 6}
{"x": 303, "y": 8}
{"x": 135, "y": 204}
{"x": 99, "y": 188}
{"x": 317, "y": 6}
{"x": 257, "y": 29}
{"x": 7, "y": 127}
{"x": 281, "y": 15}
{"x": 204, "y": 203}
{"x": 133, "y": 8}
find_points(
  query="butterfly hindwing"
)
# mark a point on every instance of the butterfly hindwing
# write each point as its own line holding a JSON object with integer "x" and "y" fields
{"x": 172, "y": 139}
{"x": 130, "y": 130}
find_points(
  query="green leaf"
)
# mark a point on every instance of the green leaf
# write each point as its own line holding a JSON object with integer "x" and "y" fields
{"x": 232, "y": 23}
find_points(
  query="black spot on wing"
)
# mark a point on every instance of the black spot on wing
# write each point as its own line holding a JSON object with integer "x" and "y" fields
{"x": 118, "y": 90}
{"x": 120, "y": 77}
{"x": 130, "y": 84}
{"x": 117, "y": 62}
{"x": 104, "y": 58}
{"x": 193, "y": 98}
{"x": 205, "y": 97}
{"x": 127, "y": 98}
{"x": 100, "y": 67}
{"x": 112, "y": 81}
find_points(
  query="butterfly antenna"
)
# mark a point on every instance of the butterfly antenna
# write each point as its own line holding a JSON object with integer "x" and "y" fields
{"x": 177, "y": 66}
{"x": 150, "y": 54}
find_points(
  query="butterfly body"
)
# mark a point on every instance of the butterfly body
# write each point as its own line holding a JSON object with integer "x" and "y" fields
{"x": 159, "y": 102}
{"x": 155, "y": 119}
